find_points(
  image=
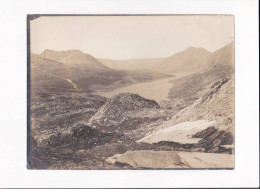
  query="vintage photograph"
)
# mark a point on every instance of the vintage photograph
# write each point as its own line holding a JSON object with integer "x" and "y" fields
{"x": 131, "y": 92}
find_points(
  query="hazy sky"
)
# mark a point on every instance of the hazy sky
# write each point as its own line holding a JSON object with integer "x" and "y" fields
{"x": 126, "y": 37}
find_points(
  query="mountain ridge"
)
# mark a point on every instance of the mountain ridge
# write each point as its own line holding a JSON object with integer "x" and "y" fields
{"x": 187, "y": 61}
{"x": 73, "y": 57}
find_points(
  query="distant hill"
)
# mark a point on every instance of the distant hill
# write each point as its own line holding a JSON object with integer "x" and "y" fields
{"x": 73, "y": 57}
{"x": 222, "y": 56}
{"x": 73, "y": 70}
{"x": 48, "y": 76}
{"x": 190, "y": 60}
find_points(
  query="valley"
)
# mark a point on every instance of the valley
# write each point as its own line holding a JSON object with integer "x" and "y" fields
{"x": 176, "y": 113}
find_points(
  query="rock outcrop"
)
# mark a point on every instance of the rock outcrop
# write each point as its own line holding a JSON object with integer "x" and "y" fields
{"x": 213, "y": 139}
{"x": 148, "y": 159}
{"x": 171, "y": 160}
{"x": 125, "y": 111}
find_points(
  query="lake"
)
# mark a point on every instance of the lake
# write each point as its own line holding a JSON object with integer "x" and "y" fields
{"x": 157, "y": 90}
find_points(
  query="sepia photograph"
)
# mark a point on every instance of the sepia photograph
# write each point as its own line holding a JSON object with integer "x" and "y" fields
{"x": 117, "y": 92}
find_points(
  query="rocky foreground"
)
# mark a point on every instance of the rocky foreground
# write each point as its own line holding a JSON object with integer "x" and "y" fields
{"x": 128, "y": 131}
{"x": 199, "y": 139}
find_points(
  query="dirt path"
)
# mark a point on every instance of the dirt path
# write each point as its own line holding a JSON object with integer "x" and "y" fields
{"x": 73, "y": 84}
{"x": 68, "y": 80}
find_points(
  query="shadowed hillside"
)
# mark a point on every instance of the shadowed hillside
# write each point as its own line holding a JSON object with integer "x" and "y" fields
{"x": 75, "y": 71}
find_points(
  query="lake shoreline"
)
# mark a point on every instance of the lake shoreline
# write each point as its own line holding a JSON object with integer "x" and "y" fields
{"x": 149, "y": 90}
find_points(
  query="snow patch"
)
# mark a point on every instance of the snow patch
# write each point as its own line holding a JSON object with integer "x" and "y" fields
{"x": 180, "y": 133}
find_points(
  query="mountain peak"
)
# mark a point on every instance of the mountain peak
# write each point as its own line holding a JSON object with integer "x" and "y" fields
{"x": 187, "y": 61}
{"x": 58, "y": 54}
{"x": 201, "y": 49}
{"x": 75, "y": 51}
{"x": 73, "y": 56}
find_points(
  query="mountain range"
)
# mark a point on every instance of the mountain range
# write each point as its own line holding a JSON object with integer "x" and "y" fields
{"x": 75, "y": 71}
{"x": 188, "y": 61}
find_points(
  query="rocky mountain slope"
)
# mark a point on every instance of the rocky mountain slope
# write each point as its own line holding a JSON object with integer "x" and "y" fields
{"x": 215, "y": 103}
{"x": 51, "y": 113}
{"x": 220, "y": 65}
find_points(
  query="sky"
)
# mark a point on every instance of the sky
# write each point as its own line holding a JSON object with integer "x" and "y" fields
{"x": 128, "y": 37}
